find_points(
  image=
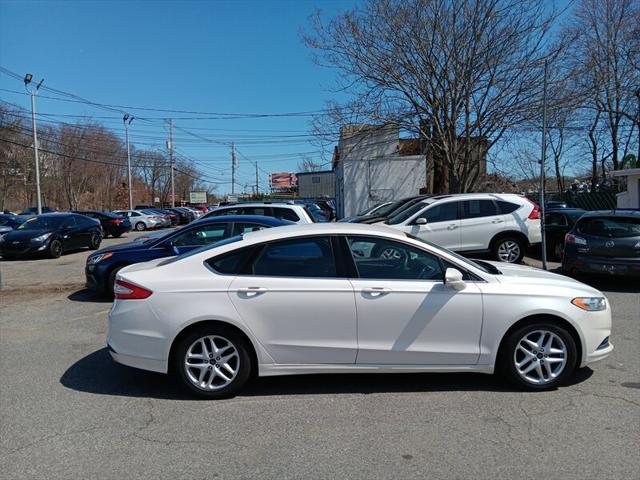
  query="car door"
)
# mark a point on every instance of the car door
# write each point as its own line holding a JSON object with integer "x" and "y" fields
{"x": 197, "y": 236}
{"x": 481, "y": 221}
{"x": 406, "y": 314}
{"x": 441, "y": 227}
{"x": 295, "y": 302}
{"x": 70, "y": 234}
{"x": 86, "y": 228}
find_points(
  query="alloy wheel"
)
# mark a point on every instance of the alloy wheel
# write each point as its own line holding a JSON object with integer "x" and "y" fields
{"x": 390, "y": 253}
{"x": 509, "y": 251}
{"x": 540, "y": 357}
{"x": 211, "y": 363}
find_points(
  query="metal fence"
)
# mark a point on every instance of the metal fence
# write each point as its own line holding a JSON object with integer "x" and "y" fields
{"x": 584, "y": 200}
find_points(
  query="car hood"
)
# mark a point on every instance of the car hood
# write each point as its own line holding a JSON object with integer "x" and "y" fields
{"x": 525, "y": 275}
{"x": 24, "y": 234}
{"x": 367, "y": 219}
{"x": 5, "y": 229}
{"x": 123, "y": 247}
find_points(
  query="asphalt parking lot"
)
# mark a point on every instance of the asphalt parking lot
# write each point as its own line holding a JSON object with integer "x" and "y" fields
{"x": 68, "y": 411}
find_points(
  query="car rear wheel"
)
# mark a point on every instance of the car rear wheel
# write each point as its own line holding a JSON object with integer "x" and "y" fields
{"x": 539, "y": 356}
{"x": 55, "y": 248}
{"x": 212, "y": 362}
{"x": 509, "y": 250}
{"x": 140, "y": 226}
{"x": 558, "y": 249}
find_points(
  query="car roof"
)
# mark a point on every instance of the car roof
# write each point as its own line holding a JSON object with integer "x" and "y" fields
{"x": 613, "y": 213}
{"x": 564, "y": 210}
{"x": 244, "y": 219}
{"x": 328, "y": 228}
{"x": 260, "y": 204}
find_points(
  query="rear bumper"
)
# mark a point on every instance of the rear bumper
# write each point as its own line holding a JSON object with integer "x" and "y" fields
{"x": 601, "y": 265}
{"x": 138, "y": 362}
{"x": 117, "y": 230}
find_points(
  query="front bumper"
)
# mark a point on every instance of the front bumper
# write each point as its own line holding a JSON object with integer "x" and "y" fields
{"x": 23, "y": 249}
{"x": 595, "y": 330}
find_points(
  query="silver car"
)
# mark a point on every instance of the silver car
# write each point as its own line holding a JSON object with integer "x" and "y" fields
{"x": 140, "y": 221}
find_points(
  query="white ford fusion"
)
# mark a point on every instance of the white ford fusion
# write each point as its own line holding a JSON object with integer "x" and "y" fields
{"x": 340, "y": 297}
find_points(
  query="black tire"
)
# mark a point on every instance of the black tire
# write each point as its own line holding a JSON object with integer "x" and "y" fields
{"x": 55, "y": 248}
{"x": 94, "y": 241}
{"x": 509, "y": 247}
{"x": 243, "y": 364}
{"x": 557, "y": 249}
{"x": 140, "y": 226}
{"x": 507, "y": 357}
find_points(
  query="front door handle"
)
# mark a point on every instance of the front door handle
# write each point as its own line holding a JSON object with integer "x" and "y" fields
{"x": 497, "y": 220}
{"x": 376, "y": 291}
{"x": 453, "y": 226}
{"x": 252, "y": 291}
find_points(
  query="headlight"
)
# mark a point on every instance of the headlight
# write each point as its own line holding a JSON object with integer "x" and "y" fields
{"x": 41, "y": 238}
{"x": 591, "y": 304}
{"x": 92, "y": 260}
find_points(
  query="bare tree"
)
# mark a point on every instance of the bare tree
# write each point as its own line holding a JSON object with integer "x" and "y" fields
{"x": 450, "y": 70}
{"x": 307, "y": 164}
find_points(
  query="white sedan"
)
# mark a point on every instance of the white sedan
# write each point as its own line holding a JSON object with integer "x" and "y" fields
{"x": 340, "y": 297}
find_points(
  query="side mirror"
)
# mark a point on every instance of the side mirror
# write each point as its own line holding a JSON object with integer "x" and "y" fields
{"x": 421, "y": 221}
{"x": 453, "y": 278}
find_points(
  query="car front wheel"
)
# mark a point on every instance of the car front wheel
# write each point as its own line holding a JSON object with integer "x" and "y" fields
{"x": 94, "y": 242}
{"x": 55, "y": 248}
{"x": 140, "y": 226}
{"x": 539, "y": 356}
{"x": 212, "y": 362}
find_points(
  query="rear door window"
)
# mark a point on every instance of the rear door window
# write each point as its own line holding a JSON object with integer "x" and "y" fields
{"x": 610, "y": 227}
{"x": 479, "y": 208}
{"x": 264, "y": 211}
{"x": 308, "y": 257}
{"x": 285, "y": 214}
{"x": 506, "y": 207}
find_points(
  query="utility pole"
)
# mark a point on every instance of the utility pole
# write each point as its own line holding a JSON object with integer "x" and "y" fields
{"x": 233, "y": 168}
{"x": 27, "y": 80}
{"x": 638, "y": 122}
{"x": 171, "y": 165}
{"x": 257, "y": 184}
{"x": 543, "y": 245}
{"x": 127, "y": 119}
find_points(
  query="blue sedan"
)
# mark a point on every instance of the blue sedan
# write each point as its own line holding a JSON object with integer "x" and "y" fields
{"x": 102, "y": 266}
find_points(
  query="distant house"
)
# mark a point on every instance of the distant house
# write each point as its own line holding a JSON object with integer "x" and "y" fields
{"x": 630, "y": 197}
{"x": 373, "y": 165}
{"x": 316, "y": 184}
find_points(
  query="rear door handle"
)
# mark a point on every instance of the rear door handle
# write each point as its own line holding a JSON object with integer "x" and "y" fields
{"x": 453, "y": 226}
{"x": 497, "y": 220}
{"x": 376, "y": 291}
{"x": 252, "y": 291}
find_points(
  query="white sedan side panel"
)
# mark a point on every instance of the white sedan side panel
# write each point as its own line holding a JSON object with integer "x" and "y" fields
{"x": 417, "y": 323}
{"x": 299, "y": 320}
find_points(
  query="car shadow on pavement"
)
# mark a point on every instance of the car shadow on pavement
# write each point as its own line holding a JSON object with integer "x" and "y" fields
{"x": 89, "y": 296}
{"x": 119, "y": 380}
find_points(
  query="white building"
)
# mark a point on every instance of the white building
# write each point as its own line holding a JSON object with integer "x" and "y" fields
{"x": 371, "y": 167}
{"x": 631, "y": 197}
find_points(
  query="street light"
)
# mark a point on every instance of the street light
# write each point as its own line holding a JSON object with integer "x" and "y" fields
{"x": 33, "y": 92}
{"x": 127, "y": 119}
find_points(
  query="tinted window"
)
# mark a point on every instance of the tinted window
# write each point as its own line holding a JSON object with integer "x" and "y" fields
{"x": 555, "y": 220}
{"x": 286, "y": 214}
{"x": 610, "y": 227}
{"x": 378, "y": 258}
{"x": 240, "y": 228}
{"x": 231, "y": 263}
{"x": 406, "y": 213}
{"x": 310, "y": 257}
{"x": 224, "y": 211}
{"x": 479, "y": 208}
{"x": 443, "y": 212}
{"x": 132, "y": 214}
{"x": 40, "y": 223}
{"x": 506, "y": 207}
{"x": 256, "y": 211}
{"x": 203, "y": 235}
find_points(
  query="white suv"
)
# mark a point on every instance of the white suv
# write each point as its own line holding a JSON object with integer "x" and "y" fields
{"x": 284, "y": 211}
{"x": 503, "y": 224}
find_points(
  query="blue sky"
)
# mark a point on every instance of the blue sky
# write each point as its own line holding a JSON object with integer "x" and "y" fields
{"x": 206, "y": 56}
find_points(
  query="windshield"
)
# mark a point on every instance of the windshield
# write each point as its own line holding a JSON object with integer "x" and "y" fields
{"x": 42, "y": 223}
{"x": 480, "y": 265}
{"x": 204, "y": 248}
{"x": 406, "y": 213}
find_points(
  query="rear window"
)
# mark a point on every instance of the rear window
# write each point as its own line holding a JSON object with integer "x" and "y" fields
{"x": 285, "y": 214}
{"x": 231, "y": 263}
{"x": 610, "y": 227}
{"x": 506, "y": 207}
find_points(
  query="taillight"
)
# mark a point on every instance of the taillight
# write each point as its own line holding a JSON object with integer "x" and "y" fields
{"x": 535, "y": 213}
{"x": 571, "y": 238}
{"x": 128, "y": 291}
{"x": 117, "y": 221}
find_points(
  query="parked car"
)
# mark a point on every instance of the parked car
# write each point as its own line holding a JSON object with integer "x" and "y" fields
{"x": 140, "y": 220}
{"x": 102, "y": 266}
{"x": 51, "y": 234}
{"x": 329, "y": 207}
{"x": 112, "y": 224}
{"x": 34, "y": 211}
{"x": 184, "y": 216}
{"x": 174, "y": 218}
{"x": 557, "y": 224}
{"x": 380, "y": 207}
{"x": 504, "y": 225}
{"x": 305, "y": 299}
{"x": 317, "y": 213}
{"x": 9, "y": 222}
{"x": 284, "y": 211}
{"x": 604, "y": 242}
{"x": 163, "y": 219}
{"x": 555, "y": 204}
{"x": 197, "y": 213}
{"x": 387, "y": 212}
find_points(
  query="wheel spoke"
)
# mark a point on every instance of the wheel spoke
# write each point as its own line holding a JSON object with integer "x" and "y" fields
{"x": 220, "y": 374}
{"x": 554, "y": 360}
{"x": 530, "y": 367}
{"x": 205, "y": 350}
{"x": 540, "y": 341}
{"x": 549, "y": 343}
{"x": 547, "y": 367}
{"x": 203, "y": 372}
{"x": 530, "y": 343}
{"x": 198, "y": 361}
